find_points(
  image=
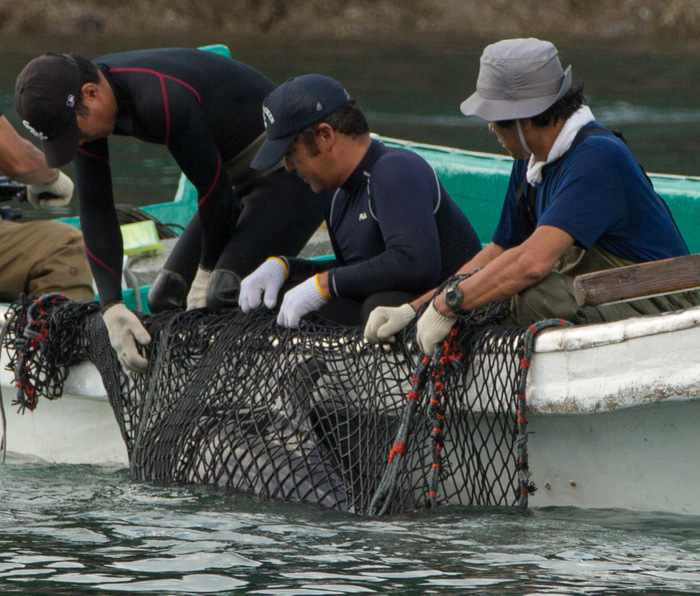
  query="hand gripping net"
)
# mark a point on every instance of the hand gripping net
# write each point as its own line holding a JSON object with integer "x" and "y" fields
{"x": 311, "y": 415}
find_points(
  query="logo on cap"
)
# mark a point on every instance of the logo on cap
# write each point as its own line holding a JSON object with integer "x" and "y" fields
{"x": 268, "y": 118}
{"x": 34, "y": 131}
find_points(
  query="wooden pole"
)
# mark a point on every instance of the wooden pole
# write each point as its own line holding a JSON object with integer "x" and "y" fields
{"x": 634, "y": 282}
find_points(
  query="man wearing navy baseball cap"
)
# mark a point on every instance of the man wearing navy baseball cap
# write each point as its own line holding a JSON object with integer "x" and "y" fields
{"x": 394, "y": 229}
{"x": 293, "y": 107}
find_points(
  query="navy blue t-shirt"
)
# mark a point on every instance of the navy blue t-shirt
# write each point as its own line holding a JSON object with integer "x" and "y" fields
{"x": 394, "y": 227}
{"x": 597, "y": 193}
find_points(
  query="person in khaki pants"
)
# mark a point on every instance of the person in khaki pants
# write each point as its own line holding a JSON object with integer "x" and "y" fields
{"x": 38, "y": 257}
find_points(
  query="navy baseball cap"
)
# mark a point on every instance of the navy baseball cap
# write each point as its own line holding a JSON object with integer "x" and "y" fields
{"x": 46, "y": 92}
{"x": 291, "y": 108}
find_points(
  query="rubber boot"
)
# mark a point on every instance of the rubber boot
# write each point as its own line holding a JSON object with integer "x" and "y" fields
{"x": 169, "y": 291}
{"x": 223, "y": 289}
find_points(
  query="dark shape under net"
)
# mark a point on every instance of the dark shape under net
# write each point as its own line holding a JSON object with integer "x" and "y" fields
{"x": 306, "y": 415}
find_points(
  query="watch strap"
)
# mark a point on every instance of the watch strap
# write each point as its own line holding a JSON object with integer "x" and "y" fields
{"x": 452, "y": 283}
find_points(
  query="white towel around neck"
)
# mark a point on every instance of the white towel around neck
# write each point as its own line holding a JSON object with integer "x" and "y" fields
{"x": 561, "y": 145}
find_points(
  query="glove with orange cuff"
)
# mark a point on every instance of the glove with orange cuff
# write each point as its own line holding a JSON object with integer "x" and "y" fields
{"x": 301, "y": 300}
{"x": 263, "y": 284}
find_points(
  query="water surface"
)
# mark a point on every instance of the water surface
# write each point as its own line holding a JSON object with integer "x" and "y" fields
{"x": 69, "y": 528}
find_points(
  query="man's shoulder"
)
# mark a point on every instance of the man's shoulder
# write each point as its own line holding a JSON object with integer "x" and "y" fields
{"x": 601, "y": 145}
{"x": 395, "y": 161}
{"x": 601, "y": 155}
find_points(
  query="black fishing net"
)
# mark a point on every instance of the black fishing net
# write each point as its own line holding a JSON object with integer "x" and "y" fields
{"x": 312, "y": 415}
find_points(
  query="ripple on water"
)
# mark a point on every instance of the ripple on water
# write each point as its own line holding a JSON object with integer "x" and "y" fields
{"x": 199, "y": 584}
{"x": 466, "y": 583}
{"x": 26, "y": 572}
{"x": 71, "y": 535}
{"x": 187, "y": 563}
{"x": 85, "y": 578}
{"x": 66, "y": 565}
{"x": 301, "y": 591}
{"x": 331, "y": 558}
{"x": 326, "y": 575}
{"x": 178, "y": 547}
{"x": 338, "y": 589}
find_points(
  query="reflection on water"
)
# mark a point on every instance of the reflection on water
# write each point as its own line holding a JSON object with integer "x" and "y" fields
{"x": 412, "y": 90}
{"x": 88, "y": 527}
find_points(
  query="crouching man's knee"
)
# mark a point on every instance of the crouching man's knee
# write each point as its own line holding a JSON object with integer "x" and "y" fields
{"x": 223, "y": 289}
{"x": 168, "y": 291}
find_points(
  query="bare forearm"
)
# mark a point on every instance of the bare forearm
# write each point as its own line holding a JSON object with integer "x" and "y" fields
{"x": 33, "y": 168}
{"x": 20, "y": 159}
{"x": 515, "y": 269}
{"x": 505, "y": 276}
{"x": 478, "y": 261}
{"x": 482, "y": 258}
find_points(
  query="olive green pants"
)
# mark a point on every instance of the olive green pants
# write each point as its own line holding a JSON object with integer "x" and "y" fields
{"x": 38, "y": 257}
{"x": 553, "y": 297}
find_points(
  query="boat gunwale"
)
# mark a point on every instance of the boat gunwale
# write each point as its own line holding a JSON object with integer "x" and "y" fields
{"x": 584, "y": 337}
{"x": 499, "y": 156}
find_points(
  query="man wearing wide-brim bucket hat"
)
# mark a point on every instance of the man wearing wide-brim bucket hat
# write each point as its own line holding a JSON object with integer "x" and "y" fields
{"x": 577, "y": 201}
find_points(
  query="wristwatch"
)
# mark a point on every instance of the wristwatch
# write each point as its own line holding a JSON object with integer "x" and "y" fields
{"x": 454, "y": 297}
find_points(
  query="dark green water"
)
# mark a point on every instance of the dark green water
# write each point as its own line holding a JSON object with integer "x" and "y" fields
{"x": 74, "y": 529}
{"x": 67, "y": 529}
{"x": 413, "y": 90}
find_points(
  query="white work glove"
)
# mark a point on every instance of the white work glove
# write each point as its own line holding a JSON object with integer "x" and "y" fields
{"x": 61, "y": 189}
{"x": 301, "y": 300}
{"x": 386, "y": 321}
{"x": 265, "y": 282}
{"x": 432, "y": 328}
{"x": 197, "y": 296}
{"x": 125, "y": 331}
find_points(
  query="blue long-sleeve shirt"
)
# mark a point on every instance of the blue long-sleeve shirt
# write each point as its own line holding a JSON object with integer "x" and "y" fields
{"x": 394, "y": 227}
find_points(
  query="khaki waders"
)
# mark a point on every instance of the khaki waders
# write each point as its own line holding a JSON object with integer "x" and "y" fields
{"x": 553, "y": 297}
{"x": 37, "y": 257}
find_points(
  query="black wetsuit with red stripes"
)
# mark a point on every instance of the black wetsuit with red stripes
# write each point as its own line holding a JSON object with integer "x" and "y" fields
{"x": 205, "y": 108}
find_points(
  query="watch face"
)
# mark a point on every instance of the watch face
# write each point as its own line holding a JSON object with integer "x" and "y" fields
{"x": 453, "y": 298}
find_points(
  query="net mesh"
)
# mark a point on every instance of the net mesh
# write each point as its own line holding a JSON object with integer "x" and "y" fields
{"x": 311, "y": 415}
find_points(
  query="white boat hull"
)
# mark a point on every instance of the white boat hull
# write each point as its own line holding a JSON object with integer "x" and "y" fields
{"x": 642, "y": 458}
{"x": 613, "y": 417}
{"x": 614, "y": 410}
{"x": 78, "y": 428}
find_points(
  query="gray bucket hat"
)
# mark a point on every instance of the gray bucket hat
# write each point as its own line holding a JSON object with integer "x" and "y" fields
{"x": 518, "y": 78}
